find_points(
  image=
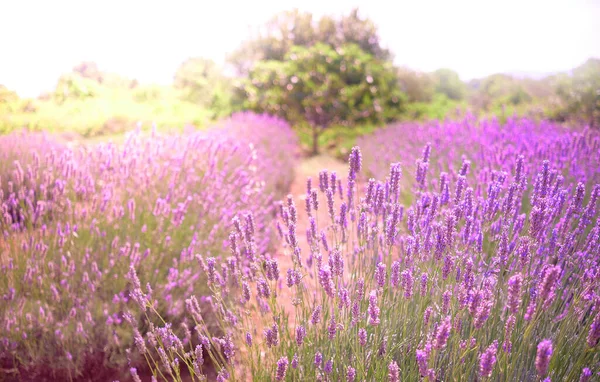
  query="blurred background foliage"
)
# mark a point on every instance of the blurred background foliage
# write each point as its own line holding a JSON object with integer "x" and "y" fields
{"x": 321, "y": 74}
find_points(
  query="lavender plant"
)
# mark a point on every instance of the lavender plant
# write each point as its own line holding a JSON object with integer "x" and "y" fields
{"x": 83, "y": 228}
{"x": 494, "y": 280}
{"x": 488, "y": 145}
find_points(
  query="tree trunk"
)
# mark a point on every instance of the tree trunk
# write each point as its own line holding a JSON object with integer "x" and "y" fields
{"x": 315, "y": 143}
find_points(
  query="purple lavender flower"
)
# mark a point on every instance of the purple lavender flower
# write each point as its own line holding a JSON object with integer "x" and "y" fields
{"x": 460, "y": 185}
{"x": 423, "y": 359}
{"x": 282, "y": 366}
{"x": 519, "y": 169}
{"x": 315, "y": 318}
{"x": 272, "y": 270}
{"x": 323, "y": 180}
{"x": 355, "y": 313}
{"x": 380, "y": 274}
{"x": 324, "y": 241}
{"x": 382, "y": 348}
{"x": 228, "y": 348}
{"x": 164, "y": 359}
{"x": 295, "y": 361}
{"x": 272, "y": 335}
{"x": 223, "y": 375}
{"x": 427, "y": 315}
{"x": 328, "y": 367}
{"x": 326, "y": 280}
{"x": 594, "y": 333}
{"x": 134, "y": 374}
{"x": 393, "y": 372}
{"x": 424, "y": 277}
{"x": 586, "y": 375}
{"x": 333, "y": 182}
{"x": 332, "y": 328}
{"x": 514, "y": 293}
{"x": 395, "y": 274}
{"x": 523, "y": 252}
{"x": 360, "y": 289}
{"x": 350, "y": 374}
{"x": 442, "y": 333}
{"x": 343, "y": 213}
{"x": 487, "y": 360}
{"x": 508, "y": 328}
{"x": 315, "y": 199}
{"x": 395, "y": 175}
{"x": 263, "y": 288}
{"x": 318, "y": 359}
{"x": 330, "y": 200}
{"x": 292, "y": 278}
{"x": 300, "y": 335}
{"x": 407, "y": 283}
{"x": 373, "y": 309}
{"x": 362, "y": 337}
{"x": 464, "y": 168}
{"x": 355, "y": 162}
{"x": 446, "y": 301}
{"x": 548, "y": 284}
{"x": 336, "y": 262}
{"x": 542, "y": 359}
{"x": 344, "y": 298}
{"x": 210, "y": 269}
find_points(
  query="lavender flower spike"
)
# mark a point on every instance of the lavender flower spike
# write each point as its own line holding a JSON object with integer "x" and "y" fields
{"x": 542, "y": 359}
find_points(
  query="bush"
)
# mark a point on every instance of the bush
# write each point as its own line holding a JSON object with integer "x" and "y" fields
{"x": 78, "y": 222}
{"x": 489, "y": 273}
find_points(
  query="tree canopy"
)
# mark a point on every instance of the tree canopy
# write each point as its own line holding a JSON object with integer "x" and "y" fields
{"x": 295, "y": 28}
{"x": 580, "y": 92}
{"x": 324, "y": 86}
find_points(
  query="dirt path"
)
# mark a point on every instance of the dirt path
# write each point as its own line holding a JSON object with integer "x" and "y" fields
{"x": 307, "y": 168}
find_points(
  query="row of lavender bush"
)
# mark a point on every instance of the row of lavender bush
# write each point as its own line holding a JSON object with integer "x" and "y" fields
{"x": 488, "y": 145}
{"x": 75, "y": 219}
{"x": 478, "y": 268}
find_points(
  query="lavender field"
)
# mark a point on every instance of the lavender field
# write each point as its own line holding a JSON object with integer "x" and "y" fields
{"x": 465, "y": 249}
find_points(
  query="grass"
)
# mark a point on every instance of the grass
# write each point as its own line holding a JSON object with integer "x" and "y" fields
{"x": 114, "y": 112}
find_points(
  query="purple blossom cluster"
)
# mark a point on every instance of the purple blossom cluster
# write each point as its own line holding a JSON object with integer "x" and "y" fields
{"x": 479, "y": 259}
{"x": 89, "y": 232}
{"x": 483, "y": 266}
{"x": 487, "y": 146}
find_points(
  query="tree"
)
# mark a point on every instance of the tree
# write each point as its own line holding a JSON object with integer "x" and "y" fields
{"x": 74, "y": 86}
{"x": 9, "y": 100}
{"x": 86, "y": 80}
{"x": 202, "y": 82}
{"x": 295, "y": 28}
{"x": 580, "y": 92}
{"x": 419, "y": 87}
{"x": 323, "y": 86}
{"x": 449, "y": 83}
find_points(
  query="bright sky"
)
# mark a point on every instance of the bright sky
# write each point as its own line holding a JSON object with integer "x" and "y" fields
{"x": 40, "y": 40}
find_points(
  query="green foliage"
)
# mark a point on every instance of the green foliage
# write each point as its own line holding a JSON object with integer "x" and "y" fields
{"x": 449, "y": 83}
{"x": 9, "y": 100}
{"x": 337, "y": 140}
{"x": 73, "y": 86}
{"x": 440, "y": 107}
{"x": 93, "y": 103}
{"x": 294, "y": 28}
{"x": 418, "y": 87}
{"x": 580, "y": 92}
{"x": 323, "y": 86}
{"x": 502, "y": 90}
{"x": 201, "y": 81}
